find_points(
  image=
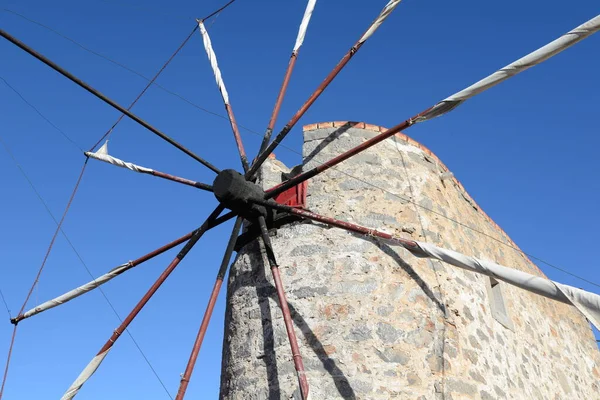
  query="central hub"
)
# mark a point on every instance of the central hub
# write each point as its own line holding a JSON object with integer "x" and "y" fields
{"x": 235, "y": 192}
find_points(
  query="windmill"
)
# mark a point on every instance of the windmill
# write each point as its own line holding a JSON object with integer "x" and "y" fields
{"x": 247, "y": 201}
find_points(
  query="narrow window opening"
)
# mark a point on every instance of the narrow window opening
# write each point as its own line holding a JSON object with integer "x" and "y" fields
{"x": 497, "y": 303}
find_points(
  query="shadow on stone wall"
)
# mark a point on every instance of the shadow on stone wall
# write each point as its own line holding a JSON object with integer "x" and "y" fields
{"x": 264, "y": 291}
{"x": 406, "y": 267}
{"x": 326, "y": 141}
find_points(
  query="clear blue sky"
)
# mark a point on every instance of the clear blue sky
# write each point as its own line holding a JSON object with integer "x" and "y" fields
{"x": 525, "y": 150}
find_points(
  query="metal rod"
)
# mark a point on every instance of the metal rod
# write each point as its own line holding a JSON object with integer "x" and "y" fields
{"x": 107, "y": 100}
{"x": 408, "y": 244}
{"x": 189, "y": 182}
{"x": 448, "y": 104}
{"x": 237, "y": 136}
{"x": 100, "y": 281}
{"x": 278, "y": 102}
{"x": 212, "y": 58}
{"x": 189, "y": 369}
{"x": 310, "y": 6}
{"x": 285, "y": 309}
{"x": 148, "y": 85}
{"x": 282, "y": 187}
{"x": 383, "y": 15}
{"x": 307, "y": 104}
{"x": 97, "y": 360}
{"x": 10, "y": 349}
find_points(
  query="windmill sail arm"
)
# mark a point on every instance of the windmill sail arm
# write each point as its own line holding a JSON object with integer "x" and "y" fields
{"x": 87, "y": 372}
{"x": 72, "y": 294}
{"x": 102, "y": 155}
{"x": 586, "y": 302}
{"x": 212, "y": 58}
{"x": 540, "y": 55}
{"x": 304, "y": 24}
{"x": 387, "y": 10}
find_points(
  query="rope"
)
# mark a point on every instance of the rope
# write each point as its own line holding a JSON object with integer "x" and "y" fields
{"x": 155, "y": 11}
{"x": 5, "y": 303}
{"x": 10, "y": 349}
{"x": 40, "y": 114}
{"x": 437, "y": 278}
{"x": 161, "y": 13}
{"x": 58, "y": 223}
{"x": 59, "y": 229}
{"x": 75, "y": 189}
{"x": 531, "y": 256}
{"x": 39, "y": 273}
{"x": 131, "y": 70}
{"x": 150, "y": 83}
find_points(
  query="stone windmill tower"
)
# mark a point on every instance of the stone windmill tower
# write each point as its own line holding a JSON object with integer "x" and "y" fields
{"x": 376, "y": 319}
{"x": 375, "y": 322}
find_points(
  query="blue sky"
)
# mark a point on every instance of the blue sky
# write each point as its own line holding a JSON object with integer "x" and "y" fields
{"x": 525, "y": 150}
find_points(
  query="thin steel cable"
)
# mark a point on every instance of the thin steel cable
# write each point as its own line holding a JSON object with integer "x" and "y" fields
{"x": 437, "y": 279}
{"x": 296, "y": 152}
{"x": 40, "y": 114}
{"x": 150, "y": 82}
{"x": 161, "y": 13}
{"x": 8, "y": 358}
{"x": 131, "y": 70}
{"x": 59, "y": 224}
{"x": 155, "y": 11}
{"x": 59, "y": 229}
{"x": 337, "y": 169}
{"x": 76, "y": 43}
{"x": 5, "y": 303}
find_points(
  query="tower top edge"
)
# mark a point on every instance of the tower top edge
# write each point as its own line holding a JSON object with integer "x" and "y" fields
{"x": 411, "y": 142}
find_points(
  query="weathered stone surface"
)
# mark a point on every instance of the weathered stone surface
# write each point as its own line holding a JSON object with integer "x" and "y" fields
{"x": 359, "y": 333}
{"x": 374, "y": 322}
{"x": 392, "y": 355}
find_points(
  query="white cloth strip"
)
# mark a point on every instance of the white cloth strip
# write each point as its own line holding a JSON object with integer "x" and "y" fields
{"x": 587, "y": 303}
{"x": 537, "y": 57}
{"x": 387, "y": 10}
{"x": 212, "y": 57}
{"x": 87, "y": 372}
{"x": 102, "y": 155}
{"x": 304, "y": 24}
{"x": 70, "y": 295}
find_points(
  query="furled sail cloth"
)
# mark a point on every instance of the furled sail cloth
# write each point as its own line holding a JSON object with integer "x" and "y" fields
{"x": 304, "y": 24}
{"x": 85, "y": 375}
{"x": 72, "y": 294}
{"x": 102, "y": 155}
{"x": 387, "y": 10}
{"x": 212, "y": 58}
{"x": 542, "y": 54}
{"x": 586, "y": 302}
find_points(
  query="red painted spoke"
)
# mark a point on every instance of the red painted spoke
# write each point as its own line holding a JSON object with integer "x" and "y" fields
{"x": 187, "y": 375}
{"x": 348, "y": 226}
{"x": 104, "y": 98}
{"x": 274, "y": 191}
{"x": 285, "y": 309}
{"x": 95, "y": 363}
{"x": 320, "y": 89}
{"x": 278, "y": 102}
{"x": 212, "y": 57}
{"x": 237, "y": 136}
{"x": 189, "y": 182}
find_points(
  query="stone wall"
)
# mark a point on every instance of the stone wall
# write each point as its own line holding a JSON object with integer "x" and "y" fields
{"x": 373, "y": 321}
